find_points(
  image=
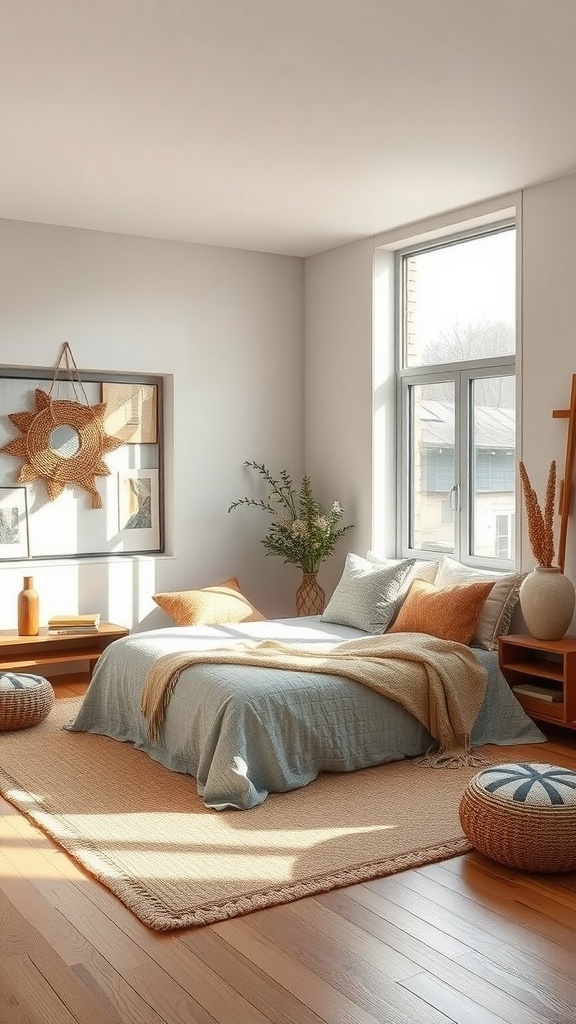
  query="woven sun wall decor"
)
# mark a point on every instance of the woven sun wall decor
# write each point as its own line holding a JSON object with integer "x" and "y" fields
{"x": 58, "y": 467}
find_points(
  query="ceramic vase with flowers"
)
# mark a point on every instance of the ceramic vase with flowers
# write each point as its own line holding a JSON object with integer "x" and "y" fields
{"x": 302, "y": 532}
{"x": 547, "y": 596}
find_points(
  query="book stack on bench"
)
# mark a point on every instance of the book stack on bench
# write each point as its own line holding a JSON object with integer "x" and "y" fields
{"x": 59, "y": 625}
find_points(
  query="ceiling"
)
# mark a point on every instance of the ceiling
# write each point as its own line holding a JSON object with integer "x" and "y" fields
{"x": 285, "y": 126}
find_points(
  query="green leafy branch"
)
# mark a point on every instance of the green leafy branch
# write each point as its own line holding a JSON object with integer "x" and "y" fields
{"x": 303, "y": 532}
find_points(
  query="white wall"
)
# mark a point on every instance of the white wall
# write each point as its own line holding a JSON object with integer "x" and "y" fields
{"x": 226, "y": 328}
{"x": 549, "y": 337}
{"x": 339, "y": 303}
{"x": 338, "y": 390}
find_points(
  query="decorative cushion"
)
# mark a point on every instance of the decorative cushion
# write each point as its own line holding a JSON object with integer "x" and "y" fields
{"x": 523, "y": 815}
{"x": 366, "y": 595}
{"x": 449, "y": 613}
{"x": 421, "y": 569}
{"x": 25, "y": 700}
{"x": 221, "y": 603}
{"x": 496, "y": 615}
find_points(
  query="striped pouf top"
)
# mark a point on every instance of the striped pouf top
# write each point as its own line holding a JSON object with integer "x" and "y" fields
{"x": 539, "y": 785}
{"x": 20, "y": 681}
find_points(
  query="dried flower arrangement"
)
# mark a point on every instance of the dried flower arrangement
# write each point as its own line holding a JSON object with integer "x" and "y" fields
{"x": 302, "y": 533}
{"x": 540, "y": 523}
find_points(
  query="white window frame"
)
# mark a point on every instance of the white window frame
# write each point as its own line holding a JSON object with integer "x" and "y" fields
{"x": 509, "y": 519}
{"x": 462, "y": 374}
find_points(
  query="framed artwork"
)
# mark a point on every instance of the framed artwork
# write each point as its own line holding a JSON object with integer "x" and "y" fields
{"x": 60, "y": 465}
{"x": 138, "y": 512}
{"x": 131, "y": 412}
{"x": 13, "y": 523}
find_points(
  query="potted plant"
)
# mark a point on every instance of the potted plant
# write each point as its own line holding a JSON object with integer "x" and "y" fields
{"x": 302, "y": 531}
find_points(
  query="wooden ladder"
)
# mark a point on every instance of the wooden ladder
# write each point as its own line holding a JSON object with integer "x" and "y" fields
{"x": 566, "y": 486}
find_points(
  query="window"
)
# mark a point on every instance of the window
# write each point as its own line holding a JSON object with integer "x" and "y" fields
{"x": 456, "y": 374}
{"x": 504, "y": 535}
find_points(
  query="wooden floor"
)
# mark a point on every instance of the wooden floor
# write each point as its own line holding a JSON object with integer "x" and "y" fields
{"x": 464, "y": 940}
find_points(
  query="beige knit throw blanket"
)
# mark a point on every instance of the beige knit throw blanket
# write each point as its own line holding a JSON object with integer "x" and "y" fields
{"x": 440, "y": 682}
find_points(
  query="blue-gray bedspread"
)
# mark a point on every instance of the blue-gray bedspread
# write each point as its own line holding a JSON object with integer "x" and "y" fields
{"x": 244, "y": 732}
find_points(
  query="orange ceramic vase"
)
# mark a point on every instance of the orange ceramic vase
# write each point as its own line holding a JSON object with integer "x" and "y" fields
{"x": 28, "y": 616}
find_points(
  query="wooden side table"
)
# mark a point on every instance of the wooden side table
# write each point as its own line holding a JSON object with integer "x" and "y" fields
{"x": 33, "y": 653}
{"x": 542, "y": 674}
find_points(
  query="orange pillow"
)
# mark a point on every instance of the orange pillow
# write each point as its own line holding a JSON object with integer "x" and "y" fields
{"x": 222, "y": 603}
{"x": 450, "y": 613}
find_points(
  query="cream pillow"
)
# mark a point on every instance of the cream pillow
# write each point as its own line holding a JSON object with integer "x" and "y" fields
{"x": 449, "y": 613}
{"x": 421, "y": 569}
{"x": 366, "y": 596}
{"x": 222, "y": 603}
{"x": 496, "y": 615}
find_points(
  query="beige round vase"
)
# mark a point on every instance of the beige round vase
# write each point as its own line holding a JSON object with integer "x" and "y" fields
{"x": 547, "y": 601}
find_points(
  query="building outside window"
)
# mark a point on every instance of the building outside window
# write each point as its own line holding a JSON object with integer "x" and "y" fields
{"x": 456, "y": 343}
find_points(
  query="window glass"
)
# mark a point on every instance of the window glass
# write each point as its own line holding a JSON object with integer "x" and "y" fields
{"x": 432, "y": 467}
{"x": 494, "y": 466}
{"x": 459, "y": 300}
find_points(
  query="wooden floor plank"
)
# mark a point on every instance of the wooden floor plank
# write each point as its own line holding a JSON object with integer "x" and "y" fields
{"x": 515, "y": 975}
{"x": 23, "y": 986}
{"x": 327, "y": 1002}
{"x": 172, "y": 1002}
{"x": 353, "y": 977}
{"x": 471, "y": 990}
{"x": 409, "y": 921}
{"x": 457, "y": 1006}
{"x": 462, "y": 904}
{"x": 508, "y": 896}
{"x": 423, "y": 955}
{"x": 49, "y": 964}
{"x": 459, "y": 983}
{"x": 351, "y": 940}
{"x": 115, "y": 993}
{"x": 451, "y": 923}
{"x": 38, "y": 912}
{"x": 255, "y": 986}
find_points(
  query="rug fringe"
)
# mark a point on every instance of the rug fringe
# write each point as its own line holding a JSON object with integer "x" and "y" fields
{"x": 438, "y": 758}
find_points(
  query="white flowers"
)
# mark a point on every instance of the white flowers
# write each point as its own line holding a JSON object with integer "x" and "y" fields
{"x": 298, "y": 528}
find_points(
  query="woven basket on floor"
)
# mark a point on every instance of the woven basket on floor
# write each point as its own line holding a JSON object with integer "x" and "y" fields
{"x": 25, "y": 700}
{"x": 523, "y": 816}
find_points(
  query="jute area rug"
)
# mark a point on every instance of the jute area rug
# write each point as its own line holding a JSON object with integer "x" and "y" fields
{"x": 145, "y": 834}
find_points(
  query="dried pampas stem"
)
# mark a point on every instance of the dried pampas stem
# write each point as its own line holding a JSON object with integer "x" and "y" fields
{"x": 540, "y": 524}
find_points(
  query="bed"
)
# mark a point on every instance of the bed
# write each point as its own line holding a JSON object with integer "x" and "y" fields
{"x": 246, "y": 732}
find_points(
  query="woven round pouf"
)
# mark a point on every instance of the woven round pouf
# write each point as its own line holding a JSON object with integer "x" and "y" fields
{"x": 523, "y": 815}
{"x": 25, "y": 700}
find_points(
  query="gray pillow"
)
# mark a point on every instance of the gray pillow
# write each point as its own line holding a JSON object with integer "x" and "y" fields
{"x": 367, "y": 595}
